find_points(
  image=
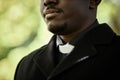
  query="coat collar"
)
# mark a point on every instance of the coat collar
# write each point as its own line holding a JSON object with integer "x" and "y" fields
{"x": 44, "y": 58}
{"x": 77, "y": 55}
{"x": 83, "y": 50}
{"x": 102, "y": 34}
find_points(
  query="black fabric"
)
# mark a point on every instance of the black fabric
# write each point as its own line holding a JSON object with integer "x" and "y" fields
{"x": 95, "y": 57}
{"x": 80, "y": 35}
{"x": 58, "y": 56}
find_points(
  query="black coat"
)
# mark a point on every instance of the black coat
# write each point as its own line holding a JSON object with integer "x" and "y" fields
{"x": 96, "y": 57}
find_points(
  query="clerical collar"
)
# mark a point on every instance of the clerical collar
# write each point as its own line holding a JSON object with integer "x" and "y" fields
{"x": 59, "y": 41}
{"x": 70, "y": 45}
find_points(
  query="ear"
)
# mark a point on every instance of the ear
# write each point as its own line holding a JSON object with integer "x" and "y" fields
{"x": 94, "y": 3}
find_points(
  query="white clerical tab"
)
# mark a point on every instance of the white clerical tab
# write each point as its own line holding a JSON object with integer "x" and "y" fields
{"x": 66, "y": 49}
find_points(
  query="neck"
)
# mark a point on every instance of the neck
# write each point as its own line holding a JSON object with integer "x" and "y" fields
{"x": 69, "y": 37}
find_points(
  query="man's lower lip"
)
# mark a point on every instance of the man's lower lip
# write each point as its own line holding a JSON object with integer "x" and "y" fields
{"x": 51, "y": 15}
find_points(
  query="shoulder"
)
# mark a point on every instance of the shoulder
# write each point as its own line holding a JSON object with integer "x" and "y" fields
{"x": 28, "y": 59}
{"x": 116, "y": 41}
{"x": 114, "y": 46}
{"x": 35, "y": 52}
{"x": 27, "y": 64}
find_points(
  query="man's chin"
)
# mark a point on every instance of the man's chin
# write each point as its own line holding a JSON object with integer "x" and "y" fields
{"x": 57, "y": 29}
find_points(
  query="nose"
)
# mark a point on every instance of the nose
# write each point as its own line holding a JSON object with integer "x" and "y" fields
{"x": 50, "y": 2}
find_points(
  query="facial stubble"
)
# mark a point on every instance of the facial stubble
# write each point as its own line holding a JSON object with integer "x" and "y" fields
{"x": 58, "y": 29}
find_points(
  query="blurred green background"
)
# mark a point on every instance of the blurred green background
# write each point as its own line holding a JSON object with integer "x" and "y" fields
{"x": 22, "y": 30}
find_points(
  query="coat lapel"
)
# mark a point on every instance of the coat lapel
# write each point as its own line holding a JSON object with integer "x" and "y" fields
{"x": 44, "y": 59}
{"x": 76, "y": 56}
{"x": 83, "y": 50}
{"x": 86, "y": 48}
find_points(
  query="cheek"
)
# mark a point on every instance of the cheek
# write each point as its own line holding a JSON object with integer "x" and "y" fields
{"x": 71, "y": 14}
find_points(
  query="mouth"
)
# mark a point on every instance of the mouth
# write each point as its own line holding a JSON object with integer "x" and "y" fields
{"x": 50, "y": 14}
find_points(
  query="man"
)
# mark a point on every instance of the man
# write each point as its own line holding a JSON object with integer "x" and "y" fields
{"x": 81, "y": 48}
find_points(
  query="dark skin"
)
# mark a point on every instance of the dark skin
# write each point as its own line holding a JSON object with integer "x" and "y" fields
{"x": 67, "y": 18}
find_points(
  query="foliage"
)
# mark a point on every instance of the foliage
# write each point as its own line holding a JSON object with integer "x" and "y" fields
{"x": 19, "y": 22}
